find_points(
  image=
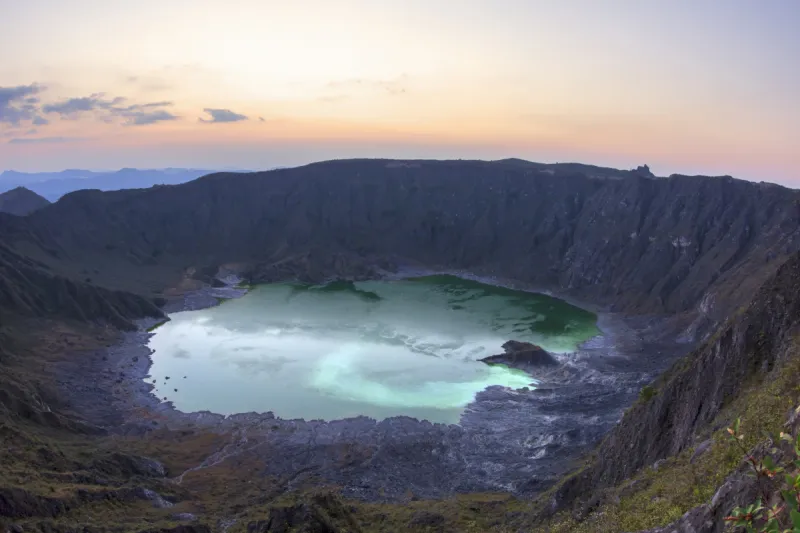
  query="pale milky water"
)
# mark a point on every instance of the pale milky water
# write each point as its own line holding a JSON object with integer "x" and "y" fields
{"x": 382, "y": 348}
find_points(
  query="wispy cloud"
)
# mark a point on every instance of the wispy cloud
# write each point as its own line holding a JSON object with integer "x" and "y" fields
{"x": 222, "y": 115}
{"x": 398, "y": 85}
{"x": 143, "y": 114}
{"x": 72, "y": 107}
{"x": 14, "y": 132}
{"x": 44, "y": 140}
{"x": 149, "y": 83}
{"x": 20, "y": 104}
{"x": 141, "y": 118}
{"x": 333, "y": 98}
{"x": 343, "y": 90}
{"x": 108, "y": 109}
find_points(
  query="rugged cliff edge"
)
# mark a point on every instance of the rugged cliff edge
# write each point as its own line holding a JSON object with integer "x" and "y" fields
{"x": 28, "y": 290}
{"x": 690, "y": 395}
{"x": 696, "y": 248}
{"x": 749, "y": 368}
{"x": 633, "y": 243}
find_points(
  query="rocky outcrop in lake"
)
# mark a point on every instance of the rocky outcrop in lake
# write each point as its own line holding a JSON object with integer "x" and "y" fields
{"x": 522, "y": 355}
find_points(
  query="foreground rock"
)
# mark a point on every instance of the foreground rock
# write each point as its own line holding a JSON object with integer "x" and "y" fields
{"x": 320, "y": 513}
{"x": 522, "y": 355}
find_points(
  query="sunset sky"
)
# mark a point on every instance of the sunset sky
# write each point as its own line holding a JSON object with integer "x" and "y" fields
{"x": 690, "y": 86}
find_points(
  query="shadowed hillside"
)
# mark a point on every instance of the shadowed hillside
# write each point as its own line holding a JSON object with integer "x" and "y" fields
{"x": 53, "y": 185}
{"x": 21, "y": 201}
{"x": 616, "y": 238}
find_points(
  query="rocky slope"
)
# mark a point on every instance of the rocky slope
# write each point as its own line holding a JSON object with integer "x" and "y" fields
{"x": 623, "y": 240}
{"x": 21, "y": 201}
{"x": 29, "y": 289}
{"x": 748, "y": 369}
{"x": 614, "y": 238}
{"x": 689, "y": 396}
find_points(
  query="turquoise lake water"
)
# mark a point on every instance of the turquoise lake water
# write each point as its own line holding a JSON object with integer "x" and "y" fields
{"x": 379, "y": 348}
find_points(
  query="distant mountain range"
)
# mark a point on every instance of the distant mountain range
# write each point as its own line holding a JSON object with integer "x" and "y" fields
{"x": 54, "y": 185}
{"x": 21, "y": 201}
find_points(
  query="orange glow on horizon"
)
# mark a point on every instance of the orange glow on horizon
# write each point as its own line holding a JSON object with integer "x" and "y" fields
{"x": 706, "y": 89}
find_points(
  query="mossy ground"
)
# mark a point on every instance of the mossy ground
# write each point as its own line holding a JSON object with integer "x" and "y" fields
{"x": 56, "y": 463}
{"x": 157, "y": 325}
{"x": 56, "y": 468}
{"x": 657, "y": 497}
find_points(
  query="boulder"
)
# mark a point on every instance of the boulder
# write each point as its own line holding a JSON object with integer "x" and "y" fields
{"x": 522, "y": 355}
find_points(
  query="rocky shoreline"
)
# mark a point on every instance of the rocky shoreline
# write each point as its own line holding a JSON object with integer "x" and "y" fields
{"x": 508, "y": 440}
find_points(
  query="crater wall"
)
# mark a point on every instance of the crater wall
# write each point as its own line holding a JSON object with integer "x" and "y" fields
{"x": 630, "y": 242}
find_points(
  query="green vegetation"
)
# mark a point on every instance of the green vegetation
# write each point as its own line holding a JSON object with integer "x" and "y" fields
{"x": 157, "y": 325}
{"x": 646, "y": 393}
{"x": 658, "y": 496}
{"x": 780, "y": 483}
{"x": 77, "y": 480}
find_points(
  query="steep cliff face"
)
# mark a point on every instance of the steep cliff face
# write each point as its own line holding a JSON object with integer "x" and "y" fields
{"x": 621, "y": 239}
{"x": 692, "y": 393}
{"x": 28, "y": 291}
{"x": 753, "y": 345}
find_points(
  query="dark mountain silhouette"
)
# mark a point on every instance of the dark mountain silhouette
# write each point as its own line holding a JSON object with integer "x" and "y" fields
{"x": 616, "y": 238}
{"x": 53, "y": 185}
{"x": 13, "y": 178}
{"x": 21, "y": 201}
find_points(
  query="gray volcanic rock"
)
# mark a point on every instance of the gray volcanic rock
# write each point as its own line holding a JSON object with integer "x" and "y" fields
{"x": 28, "y": 289}
{"x": 509, "y": 440}
{"x": 21, "y": 201}
{"x": 688, "y": 396}
{"x": 323, "y": 513}
{"x": 522, "y": 355}
{"x": 614, "y": 238}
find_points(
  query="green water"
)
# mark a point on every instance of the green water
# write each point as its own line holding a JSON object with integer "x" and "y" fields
{"x": 379, "y": 348}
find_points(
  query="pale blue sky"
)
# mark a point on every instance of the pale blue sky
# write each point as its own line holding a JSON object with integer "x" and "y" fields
{"x": 687, "y": 86}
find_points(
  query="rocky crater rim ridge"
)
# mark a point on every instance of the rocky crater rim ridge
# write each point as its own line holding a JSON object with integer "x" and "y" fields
{"x": 635, "y": 244}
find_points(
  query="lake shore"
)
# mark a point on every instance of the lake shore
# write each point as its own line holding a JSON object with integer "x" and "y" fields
{"x": 507, "y": 440}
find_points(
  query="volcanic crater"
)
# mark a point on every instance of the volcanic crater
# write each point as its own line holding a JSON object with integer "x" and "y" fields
{"x": 656, "y": 262}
